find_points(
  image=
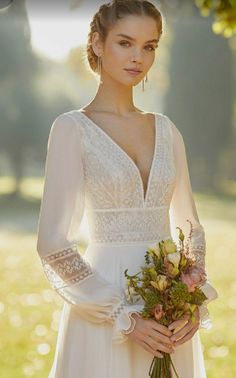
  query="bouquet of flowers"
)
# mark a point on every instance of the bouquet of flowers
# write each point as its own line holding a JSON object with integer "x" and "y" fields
{"x": 169, "y": 284}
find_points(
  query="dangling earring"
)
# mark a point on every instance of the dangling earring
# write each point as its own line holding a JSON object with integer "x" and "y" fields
{"x": 143, "y": 83}
{"x": 99, "y": 67}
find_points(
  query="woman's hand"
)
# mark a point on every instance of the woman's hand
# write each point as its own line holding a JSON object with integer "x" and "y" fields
{"x": 152, "y": 336}
{"x": 186, "y": 328}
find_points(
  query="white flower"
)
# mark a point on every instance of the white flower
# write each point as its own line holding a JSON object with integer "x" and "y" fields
{"x": 160, "y": 283}
{"x": 174, "y": 258}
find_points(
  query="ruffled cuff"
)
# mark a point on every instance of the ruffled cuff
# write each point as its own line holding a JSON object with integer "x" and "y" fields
{"x": 211, "y": 294}
{"x": 124, "y": 322}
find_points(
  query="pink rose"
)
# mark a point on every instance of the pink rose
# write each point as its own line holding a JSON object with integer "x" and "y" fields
{"x": 198, "y": 274}
{"x": 158, "y": 311}
{"x": 194, "y": 276}
{"x": 187, "y": 279}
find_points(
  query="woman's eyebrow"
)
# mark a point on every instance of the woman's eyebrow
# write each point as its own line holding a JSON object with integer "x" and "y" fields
{"x": 132, "y": 39}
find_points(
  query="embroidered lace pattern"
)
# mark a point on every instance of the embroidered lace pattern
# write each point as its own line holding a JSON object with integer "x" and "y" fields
{"x": 164, "y": 176}
{"x": 117, "y": 183}
{"x": 114, "y": 185}
{"x": 65, "y": 267}
{"x": 199, "y": 252}
{"x": 117, "y": 310}
{"x": 128, "y": 225}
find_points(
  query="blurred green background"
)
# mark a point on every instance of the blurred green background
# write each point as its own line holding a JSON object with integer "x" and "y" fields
{"x": 43, "y": 73}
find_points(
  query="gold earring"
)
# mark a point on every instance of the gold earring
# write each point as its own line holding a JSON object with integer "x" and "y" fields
{"x": 143, "y": 82}
{"x": 99, "y": 66}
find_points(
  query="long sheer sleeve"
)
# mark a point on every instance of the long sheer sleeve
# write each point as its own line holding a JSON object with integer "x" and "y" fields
{"x": 61, "y": 211}
{"x": 183, "y": 207}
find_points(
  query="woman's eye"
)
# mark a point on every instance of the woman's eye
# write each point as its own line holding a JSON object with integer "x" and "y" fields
{"x": 124, "y": 43}
{"x": 150, "y": 48}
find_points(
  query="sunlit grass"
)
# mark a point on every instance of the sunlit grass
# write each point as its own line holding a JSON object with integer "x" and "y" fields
{"x": 30, "y": 187}
{"x": 30, "y": 310}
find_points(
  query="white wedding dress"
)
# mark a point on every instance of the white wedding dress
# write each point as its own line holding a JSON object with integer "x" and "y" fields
{"x": 86, "y": 170}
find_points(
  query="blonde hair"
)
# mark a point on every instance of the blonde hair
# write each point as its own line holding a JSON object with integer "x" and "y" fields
{"x": 109, "y": 13}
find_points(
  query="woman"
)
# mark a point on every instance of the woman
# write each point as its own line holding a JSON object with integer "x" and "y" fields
{"x": 128, "y": 170}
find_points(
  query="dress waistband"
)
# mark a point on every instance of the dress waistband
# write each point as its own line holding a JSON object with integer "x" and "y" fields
{"x": 128, "y": 225}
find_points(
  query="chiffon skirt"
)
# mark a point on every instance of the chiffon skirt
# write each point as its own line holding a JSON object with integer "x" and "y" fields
{"x": 86, "y": 350}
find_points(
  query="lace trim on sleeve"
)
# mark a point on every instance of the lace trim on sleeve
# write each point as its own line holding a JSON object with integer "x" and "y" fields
{"x": 117, "y": 310}
{"x": 205, "y": 318}
{"x": 65, "y": 267}
{"x": 199, "y": 253}
{"x": 132, "y": 323}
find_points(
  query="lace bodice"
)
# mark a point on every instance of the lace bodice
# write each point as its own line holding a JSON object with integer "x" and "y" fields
{"x": 86, "y": 170}
{"x": 124, "y": 189}
{"x": 115, "y": 205}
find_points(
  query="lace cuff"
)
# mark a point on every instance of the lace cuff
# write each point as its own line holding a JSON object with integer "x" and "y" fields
{"x": 199, "y": 252}
{"x": 211, "y": 294}
{"x": 124, "y": 322}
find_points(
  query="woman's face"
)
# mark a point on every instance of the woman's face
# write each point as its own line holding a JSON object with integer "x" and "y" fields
{"x": 130, "y": 44}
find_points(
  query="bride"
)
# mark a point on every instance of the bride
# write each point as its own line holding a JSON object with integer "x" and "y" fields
{"x": 127, "y": 169}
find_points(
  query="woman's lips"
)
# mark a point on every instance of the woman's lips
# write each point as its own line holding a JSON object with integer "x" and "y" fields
{"x": 133, "y": 73}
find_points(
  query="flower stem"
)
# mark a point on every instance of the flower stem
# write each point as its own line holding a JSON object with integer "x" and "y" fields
{"x": 153, "y": 361}
{"x": 177, "y": 376}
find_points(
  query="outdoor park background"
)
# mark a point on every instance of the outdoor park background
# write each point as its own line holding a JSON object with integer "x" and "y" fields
{"x": 43, "y": 73}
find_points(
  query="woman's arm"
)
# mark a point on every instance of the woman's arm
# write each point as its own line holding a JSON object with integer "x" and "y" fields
{"x": 183, "y": 207}
{"x": 61, "y": 212}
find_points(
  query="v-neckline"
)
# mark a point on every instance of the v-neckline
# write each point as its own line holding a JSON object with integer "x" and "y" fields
{"x": 122, "y": 151}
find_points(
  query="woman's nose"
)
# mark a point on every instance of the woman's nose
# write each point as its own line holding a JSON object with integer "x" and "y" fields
{"x": 137, "y": 56}
{"x": 136, "y": 60}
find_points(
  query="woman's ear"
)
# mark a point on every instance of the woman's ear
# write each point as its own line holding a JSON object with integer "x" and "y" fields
{"x": 96, "y": 43}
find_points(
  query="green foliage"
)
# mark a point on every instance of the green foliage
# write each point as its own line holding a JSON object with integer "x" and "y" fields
{"x": 198, "y": 297}
{"x": 152, "y": 297}
{"x": 179, "y": 293}
{"x": 224, "y": 13}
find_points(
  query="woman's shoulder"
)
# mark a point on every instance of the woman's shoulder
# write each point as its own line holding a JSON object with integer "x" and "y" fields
{"x": 67, "y": 117}
{"x": 65, "y": 127}
{"x": 176, "y": 133}
{"x": 68, "y": 120}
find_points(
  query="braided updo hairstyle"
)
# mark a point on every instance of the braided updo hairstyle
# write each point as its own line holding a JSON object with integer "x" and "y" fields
{"x": 109, "y": 13}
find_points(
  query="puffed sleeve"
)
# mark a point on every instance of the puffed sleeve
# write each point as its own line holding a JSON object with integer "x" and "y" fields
{"x": 182, "y": 207}
{"x": 61, "y": 212}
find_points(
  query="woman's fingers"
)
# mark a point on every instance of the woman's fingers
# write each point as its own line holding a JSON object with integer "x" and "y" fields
{"x": 187, "y": 337}
{"x": 183, "y": 331}
{"x": 149, "y": 349}
{"x": 160, "y": 333}
{"x": 186, "y": 329}
{"x": 160, "y": 337}
{"x": 152, "y": 336}
{"x": 179, "y": 322}
{"x": 161, "y": 328}
{"x": 183, "y": 320}
{"x": 158, "y": 345}
{"x": 156, "y": 338}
